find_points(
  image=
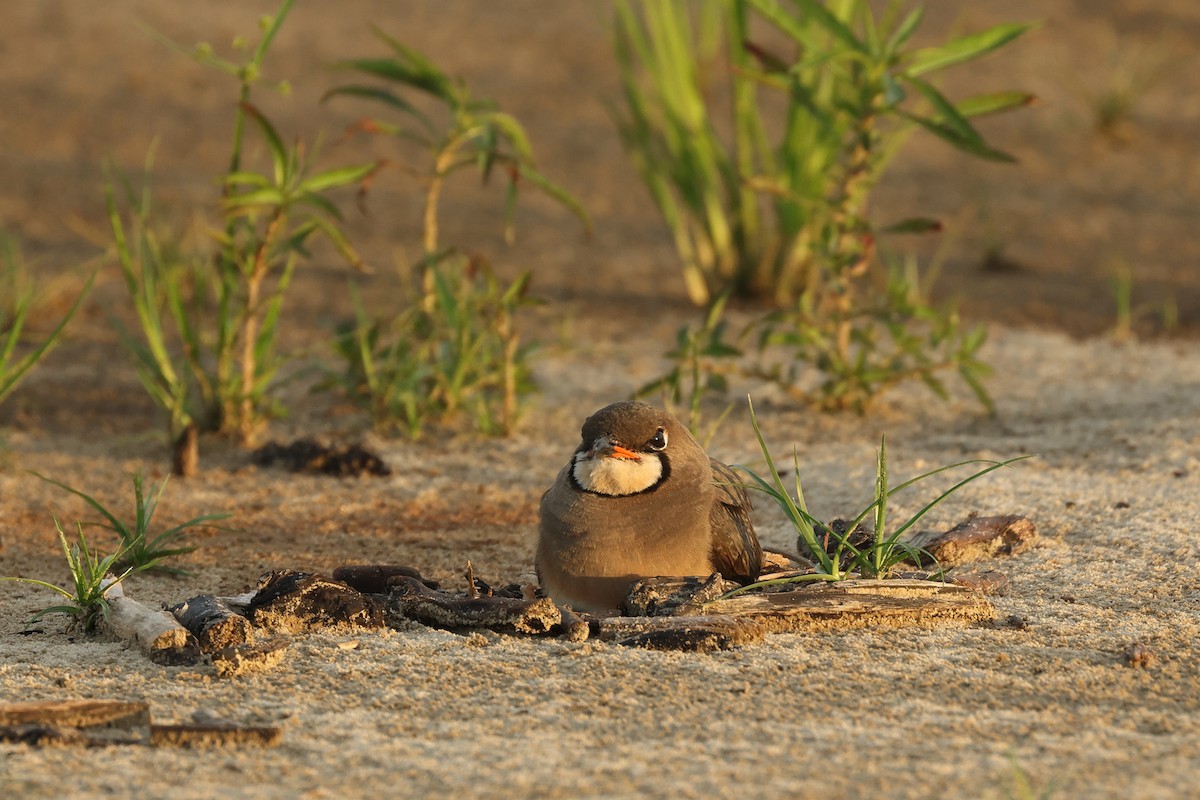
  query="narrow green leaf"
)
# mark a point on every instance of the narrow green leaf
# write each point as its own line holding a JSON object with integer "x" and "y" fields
{"x": 946, "y": 113}
{"x": 904, "y": 31}
{"x": 965, "y": 48}
{"x": 381, "y": 96}
{"x": 914, "y": 225}
{"x": 279, "y": 152}
{"x": 995, "y": 103}
{"x": 974, "y": 146}
{"x": 340, "y": 176}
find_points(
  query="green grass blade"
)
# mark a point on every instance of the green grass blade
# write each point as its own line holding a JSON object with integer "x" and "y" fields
{"x": 43, "y": 584}
{"x": 929, "y": 506}
{"x": 115, "y": 524}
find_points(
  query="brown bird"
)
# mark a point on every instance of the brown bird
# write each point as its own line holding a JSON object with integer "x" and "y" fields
{"x": 640, "y": 498}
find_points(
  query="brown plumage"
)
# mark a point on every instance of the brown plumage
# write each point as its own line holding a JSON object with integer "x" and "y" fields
{"x": 640, "y": 498}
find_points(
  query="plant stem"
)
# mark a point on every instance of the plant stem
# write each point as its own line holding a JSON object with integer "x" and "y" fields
{"x": 250, "y": 324}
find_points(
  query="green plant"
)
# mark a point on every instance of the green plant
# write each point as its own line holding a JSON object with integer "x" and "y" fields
{"x": 475, "y": 133}
{"x": 140, "y": 549}
{"x": 699, "y": 362}
{"x": 462, "y": 355}
{"x": 892, "y": 336}
{"x": 781, "y": 210}
{"x": 163, "y": 283}
{"x": 91, "y": 577}
{"x": 455, "y": 348}
{"x": 16, "y": 302}
{"x": 838, "y": 548}
{"x": 1130, "y": 316}
{"x": 208, "y": 350}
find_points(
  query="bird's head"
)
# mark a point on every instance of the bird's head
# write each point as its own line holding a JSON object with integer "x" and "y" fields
{"x": 626, "y": 449}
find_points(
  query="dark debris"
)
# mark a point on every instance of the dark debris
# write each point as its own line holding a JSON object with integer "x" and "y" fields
{"x": 309, "y": 455}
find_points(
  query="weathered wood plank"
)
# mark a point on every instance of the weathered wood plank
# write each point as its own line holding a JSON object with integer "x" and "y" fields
{"x": 77, "y": 713}
{"x": 857, "y": 603}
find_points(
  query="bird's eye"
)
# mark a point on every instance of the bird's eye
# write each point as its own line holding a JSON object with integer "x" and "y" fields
{"x": 659, "y": 441}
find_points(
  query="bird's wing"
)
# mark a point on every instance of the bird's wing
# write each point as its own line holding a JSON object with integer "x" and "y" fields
{"x": 736, "y": 553}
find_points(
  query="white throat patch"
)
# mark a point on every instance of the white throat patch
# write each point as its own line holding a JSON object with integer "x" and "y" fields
{"x": 616, "y": 476}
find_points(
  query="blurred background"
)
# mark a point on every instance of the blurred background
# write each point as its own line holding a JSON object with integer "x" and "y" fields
{"x": 1105, "y": 190}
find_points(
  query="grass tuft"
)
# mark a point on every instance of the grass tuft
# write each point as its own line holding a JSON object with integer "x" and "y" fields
{"x": 91, "y": 576}
{"x": 141, "y": 549}
{"x": 840, "y": 548}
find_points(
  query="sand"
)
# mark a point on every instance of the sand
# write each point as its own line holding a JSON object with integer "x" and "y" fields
{"x": 900, "y": 713}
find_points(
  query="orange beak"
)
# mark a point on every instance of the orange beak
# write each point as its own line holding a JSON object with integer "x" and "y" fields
{"x": 616, "y": 451}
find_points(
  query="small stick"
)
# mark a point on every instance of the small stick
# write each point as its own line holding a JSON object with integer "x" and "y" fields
{"x": 574, "y": 627}
{"x": 472, "y": 589}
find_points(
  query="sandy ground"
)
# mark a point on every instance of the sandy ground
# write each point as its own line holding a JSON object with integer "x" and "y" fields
{"x": 954, "y": 712}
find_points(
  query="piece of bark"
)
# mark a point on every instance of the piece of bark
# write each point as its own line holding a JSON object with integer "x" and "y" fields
{"x": 237, "y": 603}
{"x": 243, "y": 659}
{"x": 855, "y": 604}
{"x": 411, "y": 599}
{"x": 377, "y": 578}
{"x": 213, "y": 623}
{"x": 986, "y": 581}
{"x": 573, "y": 627}
{"x": 668, "y": 596}
{"x": 695, "y": 633}
{"x": 213, "y": 735}
{"x": 977, "y": 539}
{"x": 288, "y": 601}
{"x": 123, "y": 714}
{"x": 156, "y": 632}
{"x": 36, "y": 734}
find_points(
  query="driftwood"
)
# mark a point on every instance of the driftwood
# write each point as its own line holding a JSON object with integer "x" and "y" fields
{"x": 977, "y": 539}
{"x": 214, "y": 624}
{"x": 91, "y": 723}
{"x": 745, "y": 619}
{"x": 692, "y": 633}
{"x": 38, "y": 735}
{"x": 412, "y": 599}
{"x": 192, "y": 734}
{"x": 289, "y": 601}
{"x": 857, "y": 603}
{"x": 157, "y": 633}
{"x": 77, "y": 713}
{"x": 677, "y": 613}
